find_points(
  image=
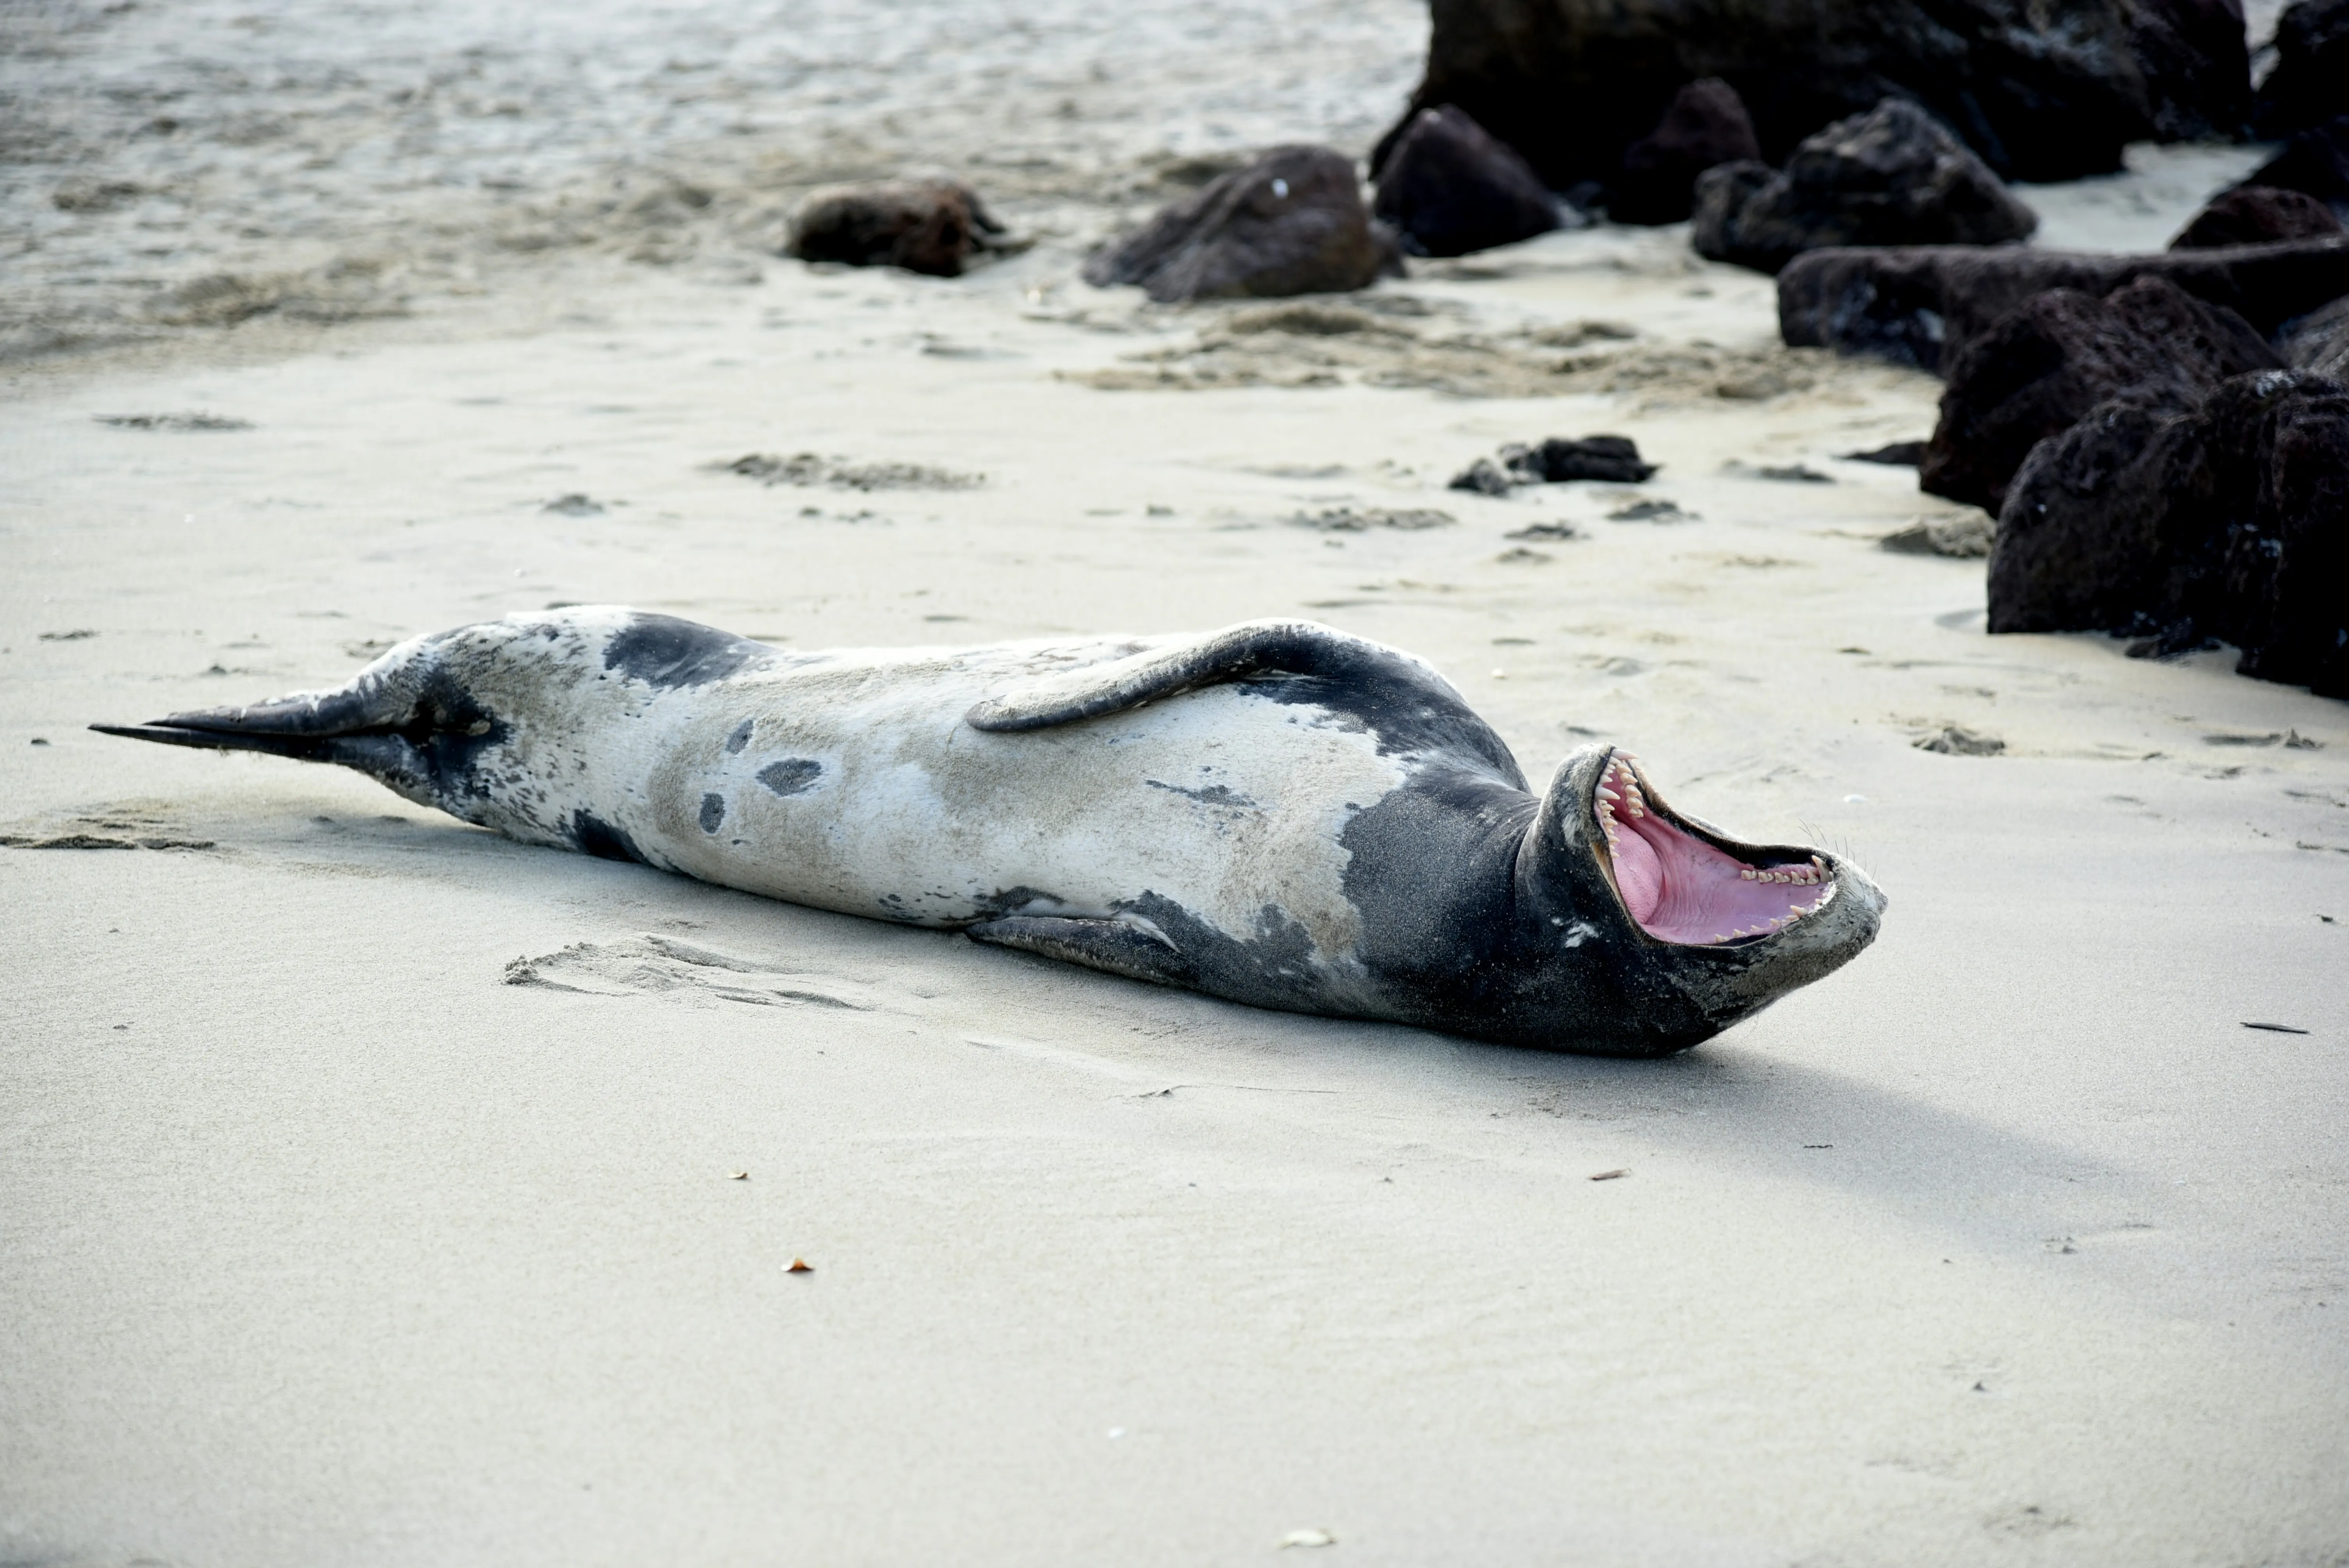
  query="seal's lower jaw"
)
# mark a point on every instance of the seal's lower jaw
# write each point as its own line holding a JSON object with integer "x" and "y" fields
{"x": 1690, "y": 890}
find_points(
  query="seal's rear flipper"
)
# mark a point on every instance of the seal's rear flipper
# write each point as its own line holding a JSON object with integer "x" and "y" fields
{"x": 309, "y": 747}
{"x": 396, "y": 721}
{"x": 1110, "y": 945}
{"x": 1212, "y": 658}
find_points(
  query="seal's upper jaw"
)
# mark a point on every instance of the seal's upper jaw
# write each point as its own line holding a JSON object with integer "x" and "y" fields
{"x": 1686, "y": 886}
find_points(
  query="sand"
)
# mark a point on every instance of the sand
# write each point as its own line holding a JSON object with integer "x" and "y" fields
{"x": 336, "y": 1235}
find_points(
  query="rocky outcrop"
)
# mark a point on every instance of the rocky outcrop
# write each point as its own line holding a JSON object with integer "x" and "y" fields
{"x": 1921, "y": 307}
{"x": 1448, "y": 188}
{"x": 2256, "y": 215}
{"x": 2039, "y": 91}
{"x": 2039, "y": 370}
{"x": 931, "y": 226}
{"x": 2230, "y": 521}
{"x": 1292, "y": 223}
{"x": 1893, "y": 176}
{"x": 2310, "y": 81}
{"x": 1706, "y": 126}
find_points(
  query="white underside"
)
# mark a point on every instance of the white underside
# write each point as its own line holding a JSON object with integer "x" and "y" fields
{"x": 919, "y": 818}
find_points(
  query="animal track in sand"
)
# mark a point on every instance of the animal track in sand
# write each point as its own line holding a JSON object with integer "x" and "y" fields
{"x": 662, "y": 966}
{"x": 104, "y": 828}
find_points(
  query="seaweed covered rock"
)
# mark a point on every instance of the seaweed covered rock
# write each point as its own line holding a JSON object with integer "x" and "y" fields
{"x": 1706, "y": 126}
{"x": 931, "y": 226}
{"x": 1448, "y": 188}
{"x": 2228, "y": 521}
{"x": 1292, "y": 223}
{"x": 1893, "y": 176}
{"x": 2256, "y": 215}
{"x": 2040, "y": 370}
{"x": 2039, "y": 91}
{"x": 2309, "y": 83}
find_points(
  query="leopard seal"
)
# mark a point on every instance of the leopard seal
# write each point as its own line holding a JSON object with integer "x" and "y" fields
{"x": 1276, "y": 813}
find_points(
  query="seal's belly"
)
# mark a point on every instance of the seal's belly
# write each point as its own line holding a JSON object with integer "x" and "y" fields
{"x": 882, "y": 801}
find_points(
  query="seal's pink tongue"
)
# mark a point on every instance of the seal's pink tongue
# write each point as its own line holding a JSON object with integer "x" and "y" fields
{"x": 1682, "y": 889}
{"x": 1638, "y": 876}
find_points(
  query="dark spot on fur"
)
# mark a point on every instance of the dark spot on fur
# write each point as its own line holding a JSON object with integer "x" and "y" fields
{"x": 1012, "y": 900}
{"x": 791, "y": 776}
{"x": 663, "y": 651}
{"x": 738, "y": 739}
{"x": 601, "y": 839}
{"x": 713, "y": 812}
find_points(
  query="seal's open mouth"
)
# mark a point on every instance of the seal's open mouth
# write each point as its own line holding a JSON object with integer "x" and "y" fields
{"x": 1684, "y": 889}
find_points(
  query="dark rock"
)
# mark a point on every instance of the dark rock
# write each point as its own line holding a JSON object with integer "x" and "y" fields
{"x": 2256, "y": 215}
{"x": 1921, "y": 307}
{"x": 1448, "y": 188}
{"x": 2309, "y": 82}
{"x": 1893, "y": 454}
{"x": 2039, "y": 371}
{"x": 2314, "y": 161}
{"x": 1893, "y": 176}
{"x": 2318, "y": 341}
{"x": 932, "y": 226}
{"x": 1706, "y": 126}
{"x": 2197, "y": 62}
{"x": 2228, "y": 521}
{"x": 1613, "y": 459}
{"x": 2041, "y": 92}
{"x": 2075, "y": 545}
{"x": 1289, "y": 224}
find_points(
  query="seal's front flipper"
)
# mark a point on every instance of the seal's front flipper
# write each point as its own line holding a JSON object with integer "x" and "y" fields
{"x": 1237, "y": 652}
{"x": 1110, "y": 945}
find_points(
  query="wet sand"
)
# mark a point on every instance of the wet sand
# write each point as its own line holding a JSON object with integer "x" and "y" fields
{"x": 328, "y": 1242}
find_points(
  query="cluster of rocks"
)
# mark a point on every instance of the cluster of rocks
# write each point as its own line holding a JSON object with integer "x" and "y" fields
{"x": 2165, "y": 457}
{"x": 2038, "y": 91}
{"x": 1535, "y": 113}
{"x": 1613, "y": 459}
{"x": 2228, "y": 520}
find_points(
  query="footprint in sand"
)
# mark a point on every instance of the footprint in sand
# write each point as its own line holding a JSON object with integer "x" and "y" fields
{"x": 653, "y": 965}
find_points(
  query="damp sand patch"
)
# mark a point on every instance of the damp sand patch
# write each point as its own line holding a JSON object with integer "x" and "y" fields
{"x": 1321, "y": 344}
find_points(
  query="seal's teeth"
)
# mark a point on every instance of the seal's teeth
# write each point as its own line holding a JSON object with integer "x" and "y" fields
{"x": 1607, "y": 794}
{"x": 1745, "y": 873}
{"x": 1793, "y": 912}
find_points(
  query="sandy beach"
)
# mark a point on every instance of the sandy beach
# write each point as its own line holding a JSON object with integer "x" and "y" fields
{"x": 369, "y": 1190}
